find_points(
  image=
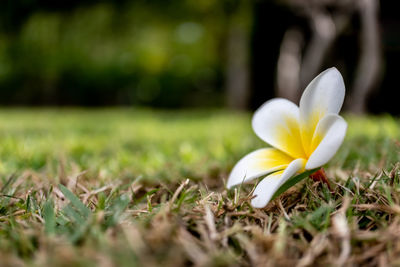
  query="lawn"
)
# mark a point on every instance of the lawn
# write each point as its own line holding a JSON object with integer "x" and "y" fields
{"x": 129, "y": 187}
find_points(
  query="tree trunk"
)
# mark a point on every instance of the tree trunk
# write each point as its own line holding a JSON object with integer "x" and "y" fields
{"x": 289, "y": 65}
{"x": 368, "y": 68}
{"x": 324, "y": 33}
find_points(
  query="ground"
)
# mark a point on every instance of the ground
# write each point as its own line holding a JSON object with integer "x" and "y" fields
{"x": 127, "y": 187}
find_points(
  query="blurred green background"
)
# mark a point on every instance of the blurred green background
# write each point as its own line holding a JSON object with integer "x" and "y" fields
{"x": 187, "y": 53}
{"x": 161, "y": 145}
{"x": 161, "y": 53}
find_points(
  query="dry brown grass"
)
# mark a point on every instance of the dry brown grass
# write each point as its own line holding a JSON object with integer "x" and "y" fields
{"x": 202, "y": 224}
{"x": 106, "y": 216}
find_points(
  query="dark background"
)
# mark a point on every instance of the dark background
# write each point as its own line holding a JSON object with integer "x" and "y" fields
{"x": 169, "y": 54}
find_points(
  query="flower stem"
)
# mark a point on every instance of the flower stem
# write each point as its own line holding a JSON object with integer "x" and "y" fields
{"x": 320, "y": 175}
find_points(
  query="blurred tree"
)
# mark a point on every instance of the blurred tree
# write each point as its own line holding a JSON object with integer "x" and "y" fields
{"x": 300, "y": 60}
{"x": 369, "y": 66}
{"x": 383, "y": 100}
{"x": 179, "y": 53}
{"x": 160, "y": 53}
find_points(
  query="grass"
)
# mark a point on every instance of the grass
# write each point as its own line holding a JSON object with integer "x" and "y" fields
{"x": 146, "y": 188}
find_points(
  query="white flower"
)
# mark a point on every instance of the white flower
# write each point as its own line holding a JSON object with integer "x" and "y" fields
{"x": 302, "y": 138}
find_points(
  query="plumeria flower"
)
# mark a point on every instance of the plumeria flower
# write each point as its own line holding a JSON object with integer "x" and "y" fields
{"x": 302, "y": 138}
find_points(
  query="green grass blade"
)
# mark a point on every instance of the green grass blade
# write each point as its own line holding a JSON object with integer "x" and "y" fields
{"x": 9, "y": 182}
{"x": 117, "y": 209}
{"x": 75, "y": 201}
{"x": 70, "y": 212}
{"x": 291, "y": 182}
{"x": 49, "y": 217}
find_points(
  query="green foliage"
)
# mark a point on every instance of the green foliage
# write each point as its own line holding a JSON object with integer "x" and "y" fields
{"x": 102, "y": 54}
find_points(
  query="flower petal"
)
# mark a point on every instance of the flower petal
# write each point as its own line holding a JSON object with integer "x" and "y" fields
{"x": 277, "y": 123}
{"x": 270, "y": 184}
{"x": 257, "y": 164}
{"x": 324, "y": 95}
{"x": 328, "y": 137}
